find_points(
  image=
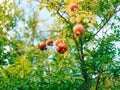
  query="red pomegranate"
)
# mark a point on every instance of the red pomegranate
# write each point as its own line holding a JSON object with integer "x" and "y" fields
{"x": 57, "y": 42}
{"x": 49, "y": 42}
{"x": 73, "y": 6}
{"x": 78, "y": 29}
{"x": 42, "y": 46}
{"x": 58, "y": 49}
{"x": 61, "y": 47}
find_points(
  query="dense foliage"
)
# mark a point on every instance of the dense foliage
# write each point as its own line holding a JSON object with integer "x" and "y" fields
{"x": 91, "y": 62}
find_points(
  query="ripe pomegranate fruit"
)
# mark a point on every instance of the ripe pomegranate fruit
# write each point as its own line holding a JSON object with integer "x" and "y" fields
{"x": 42, "y": 46}
{"x": 58, "y": 49}
{"x": 61, "y": 47}
{"x": 49, "y": 42}
{"x": 57, "y": 42}
{"x": 73, "y": 6}
{"x": 78, "y": 29}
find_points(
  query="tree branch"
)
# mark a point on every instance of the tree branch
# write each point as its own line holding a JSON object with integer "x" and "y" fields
{"x": 97, "y": 82}
{"x": 81, "y": 49}
{"x": 102, "y": 26}
{"x": 77, "y": 46}
{"x": 63, "y": 17}
{"x": 83, "y": 68}
{"x": 51, "y": 30}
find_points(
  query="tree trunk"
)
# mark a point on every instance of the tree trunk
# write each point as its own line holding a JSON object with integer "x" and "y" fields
{"x": 86, "y": 84}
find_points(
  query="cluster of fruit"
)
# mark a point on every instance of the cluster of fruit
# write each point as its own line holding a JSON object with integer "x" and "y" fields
{"x": 61, "y": 46}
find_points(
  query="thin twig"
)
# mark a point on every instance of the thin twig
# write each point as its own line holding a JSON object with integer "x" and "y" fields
{"x": 101, "y": 27}
{"x": 63, "y": 17}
